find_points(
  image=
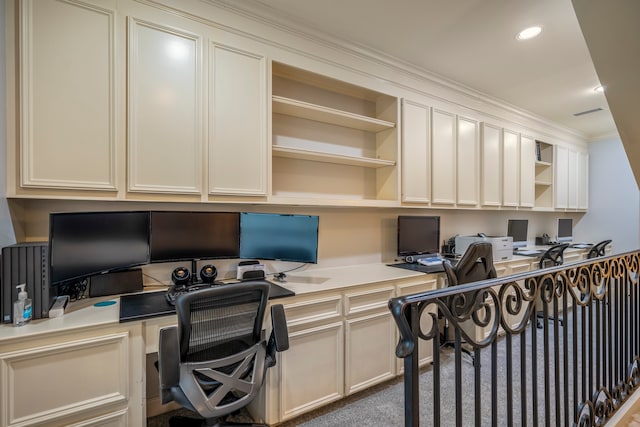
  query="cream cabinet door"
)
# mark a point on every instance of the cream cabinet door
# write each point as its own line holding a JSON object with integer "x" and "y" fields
{"x": 468, "y": 155}
{"x": 416, "y": 154}
{"x": 238, "y": 124}
{"x": 572, "y": 172}
{"x": 583, "y": 180}
{"x": 370, "y": 338}
{"x": 510, "y": 168}
{"x": 311, "y": 371}
{"x": 165, "y": 109}
{"x": 89, "y": 376}
{"x": 527, "y": 171}
{"x": 443, "y": 164}
{"x": 67, "y": 95}
{"x": 491, "y": 165}
{"x": 561, "y": 183}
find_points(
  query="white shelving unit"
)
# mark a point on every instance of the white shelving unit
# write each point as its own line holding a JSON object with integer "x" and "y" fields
{"x": 544, "y": 176}
{"x": 332, "y": 140}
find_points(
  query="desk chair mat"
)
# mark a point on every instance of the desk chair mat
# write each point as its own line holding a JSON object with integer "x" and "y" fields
{"x": 147, "y": 305}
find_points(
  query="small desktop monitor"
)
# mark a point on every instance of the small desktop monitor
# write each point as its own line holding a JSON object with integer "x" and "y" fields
{"x": 281, "y": 237}
{"x": 83, "y": 244}
{"x": 565, "y": 230}
{"x": 418, "y": 235}
{"x": 517, "y": 229}
{"x": 184, "y": 235}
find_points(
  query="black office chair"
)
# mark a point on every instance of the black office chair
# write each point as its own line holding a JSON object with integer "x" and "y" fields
{"x": 553, "y": 256}
{"x": 214, "y": 361}
{"x": 599, "y": 249}
{"x": 475, "y": 265}
{"x": 550, "y": 258}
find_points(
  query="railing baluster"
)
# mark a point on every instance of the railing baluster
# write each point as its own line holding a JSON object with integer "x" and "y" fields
{"x": 534, "y": 367}
{"x": 458, "y": 377}
{"x": 523, "y": 378}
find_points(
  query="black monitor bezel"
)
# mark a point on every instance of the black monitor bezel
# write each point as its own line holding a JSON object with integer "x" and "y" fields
{"x": 89, "y": 273}
{"x": 194, "y": 255}
{"x": 432, "y": 250}
{"x": 510, "y": 232}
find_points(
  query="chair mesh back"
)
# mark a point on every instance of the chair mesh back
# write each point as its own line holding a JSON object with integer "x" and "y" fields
{"x": 219, "y": 324}
{"x": 218, "y": 331}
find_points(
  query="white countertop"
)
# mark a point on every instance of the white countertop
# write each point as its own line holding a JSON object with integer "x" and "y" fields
{"x": 321, "y": 279}
{"x": 77, "y": 315}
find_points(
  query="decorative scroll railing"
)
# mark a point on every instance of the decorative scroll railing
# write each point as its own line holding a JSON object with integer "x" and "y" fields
{"x": 558, "y": 346}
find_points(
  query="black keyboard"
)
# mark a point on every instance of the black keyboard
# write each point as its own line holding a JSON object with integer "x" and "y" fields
{"x": 173, "y": 293}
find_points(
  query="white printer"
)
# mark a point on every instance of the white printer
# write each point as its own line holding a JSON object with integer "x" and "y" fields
{"x": 502, "y": 245}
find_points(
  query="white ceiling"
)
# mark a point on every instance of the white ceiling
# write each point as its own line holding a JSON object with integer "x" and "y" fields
{"x": 471, "y": 42}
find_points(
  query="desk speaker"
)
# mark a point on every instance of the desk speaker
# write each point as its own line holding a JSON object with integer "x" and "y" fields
{"x": 25, "y": 263}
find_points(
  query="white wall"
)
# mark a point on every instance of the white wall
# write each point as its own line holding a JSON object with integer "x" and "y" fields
{"x": 614, "y": 200}
{"x": 7, "y": 236}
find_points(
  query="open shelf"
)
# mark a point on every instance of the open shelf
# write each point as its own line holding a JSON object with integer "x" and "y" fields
{"x": 319, "y": 113}
{"x": 318, "y": 156}
{"x": 544, "y": 176}
{"x": 332, "y": 141}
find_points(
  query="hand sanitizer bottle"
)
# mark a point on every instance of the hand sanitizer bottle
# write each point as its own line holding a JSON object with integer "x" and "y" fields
{"x": 22, "y": 309}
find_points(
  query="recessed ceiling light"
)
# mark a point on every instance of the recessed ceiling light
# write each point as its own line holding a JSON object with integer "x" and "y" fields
{"x": 529, "y": 33}
{"x": 599, "y": 88}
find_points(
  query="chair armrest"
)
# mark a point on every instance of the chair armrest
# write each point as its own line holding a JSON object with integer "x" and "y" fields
{"x": 279, "y": 324}
{"x": 168, "y": 362}
{"x": 279, "y": 338}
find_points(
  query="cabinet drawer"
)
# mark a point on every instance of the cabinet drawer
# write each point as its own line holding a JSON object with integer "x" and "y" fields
{"x": 357, "y": 302}
{"x": 84, "y": 376}
{"x": 313, "y": 310}
{"x": 418, "y": 286}
{"x": 520, "y": 268}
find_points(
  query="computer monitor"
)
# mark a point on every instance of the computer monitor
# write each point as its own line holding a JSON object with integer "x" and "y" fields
{"x": 83, "y": 244}
{"x": 281, "y": 237}
{"x": 565, "y": 230}
{"x": 418, "y": 235}
{"x": 517, "y": 229}
{"x": 183, "y": 235}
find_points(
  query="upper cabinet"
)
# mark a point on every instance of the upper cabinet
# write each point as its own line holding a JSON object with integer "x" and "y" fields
{"x": 165, "y": 112}
{"x": 491, "y": 165}
{"x": 155, "y": 106}
{"x": 67, "y": 96}
{"x": 443, "y": 162}
{"x": 468, "y": 162}
{"x": 527, "y": 171}
{"x": 333, "y": 142}
{"x": 238, "y": 122}
{"x": 571, "y": 179}
{"x": 510, "y": 168}
{"x": 416, "y": 152}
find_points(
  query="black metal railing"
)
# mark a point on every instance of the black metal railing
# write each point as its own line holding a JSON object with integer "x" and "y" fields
{"x": 558, "y": 346}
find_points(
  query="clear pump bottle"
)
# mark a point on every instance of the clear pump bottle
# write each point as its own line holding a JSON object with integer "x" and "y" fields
{"x": 22, "y": 308}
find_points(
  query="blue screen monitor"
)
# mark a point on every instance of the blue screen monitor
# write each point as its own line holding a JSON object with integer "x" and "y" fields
{"x": 517, "y": 229}
{"x": 279, "y": 237}
{"x": 565, "y": 230}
